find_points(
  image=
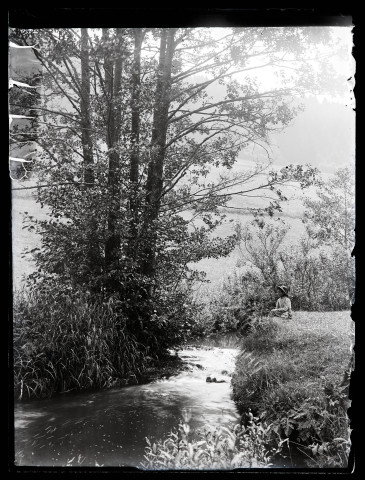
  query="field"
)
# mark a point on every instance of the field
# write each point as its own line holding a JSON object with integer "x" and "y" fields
{"x": 238, "y": 211}
{"x": 322, "y": 342}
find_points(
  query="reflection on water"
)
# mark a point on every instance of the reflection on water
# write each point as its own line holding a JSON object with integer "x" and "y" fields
{"x": 109, "y": 427}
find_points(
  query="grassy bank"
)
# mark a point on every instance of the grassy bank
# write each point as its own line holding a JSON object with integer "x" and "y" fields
{"x": 293, "y": 375}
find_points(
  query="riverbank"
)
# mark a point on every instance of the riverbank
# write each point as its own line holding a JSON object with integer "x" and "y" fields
{"x": 294, "y": 376}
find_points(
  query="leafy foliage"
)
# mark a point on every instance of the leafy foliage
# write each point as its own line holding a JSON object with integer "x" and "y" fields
{"x": 215, "y": 448}
{"x": 317, "y": 275}
{"x": 330, "y": 220}
{"x": 331, "y": 217}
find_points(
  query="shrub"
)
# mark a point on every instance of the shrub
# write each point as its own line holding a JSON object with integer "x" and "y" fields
{"x": 313, "y": 421}
{"x": 239, "y": 305}
{"x": 67, "y": 340}
{"x": 318, "y": 275}
{"x": 204, "y": 321}
{"x": 216, "y": 448}
{"x": 174, "y": 318}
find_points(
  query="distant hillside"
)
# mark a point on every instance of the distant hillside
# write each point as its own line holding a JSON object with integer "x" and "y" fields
{"x": 323, "y": 135}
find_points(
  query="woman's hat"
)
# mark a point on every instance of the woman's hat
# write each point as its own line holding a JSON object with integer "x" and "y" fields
{"x": 283, "y": 288}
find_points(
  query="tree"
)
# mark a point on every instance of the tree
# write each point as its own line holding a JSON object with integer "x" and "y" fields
{"x": 330, "y": 219}
{"x": 196, "y": 131}
{"x": 131, "y": 135}
{"x": 134, "y": 170}
{"x": 261, "y": 244}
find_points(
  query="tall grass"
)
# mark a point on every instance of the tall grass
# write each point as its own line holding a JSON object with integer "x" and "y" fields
{"x": 295, "y": 376}
{"x": 71, "y": 342}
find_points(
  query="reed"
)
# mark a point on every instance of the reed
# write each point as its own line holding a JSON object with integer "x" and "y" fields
{"x": 71, "y": 342}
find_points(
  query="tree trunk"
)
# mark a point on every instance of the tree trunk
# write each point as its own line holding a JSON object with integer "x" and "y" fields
{"x": 87, "y": 146}
{"x": 113, "y": 74}
{"x": 135, "y": 127}
{"x": 93, "y": 253}
{"x": 154, "y": 182}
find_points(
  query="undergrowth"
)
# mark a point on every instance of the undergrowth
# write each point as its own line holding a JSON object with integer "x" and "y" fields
{"x": 71, "y": 343}
{"x": 211, "y": 447}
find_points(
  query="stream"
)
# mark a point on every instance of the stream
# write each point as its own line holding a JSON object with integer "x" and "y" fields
{"x": 109, "y": 428}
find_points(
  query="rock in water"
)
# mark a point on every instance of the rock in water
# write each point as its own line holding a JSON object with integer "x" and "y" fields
{"x": 214, "y": 380}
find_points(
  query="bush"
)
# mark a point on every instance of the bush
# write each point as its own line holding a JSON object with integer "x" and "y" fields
{"x": 68, "y": 340}
{"x": 237, "y": 307}
{"x": 174, "y": 319}
{"x": 318, "y": 276}
{"x": 204, "y": 320}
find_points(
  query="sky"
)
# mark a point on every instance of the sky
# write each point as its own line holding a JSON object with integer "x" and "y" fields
{"x": 324, "y": 133}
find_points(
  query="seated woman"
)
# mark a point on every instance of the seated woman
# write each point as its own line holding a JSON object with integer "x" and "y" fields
{"x": 283, "y": 304}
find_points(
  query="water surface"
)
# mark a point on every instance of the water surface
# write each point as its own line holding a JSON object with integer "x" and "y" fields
{"x": 109, "y": 427}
